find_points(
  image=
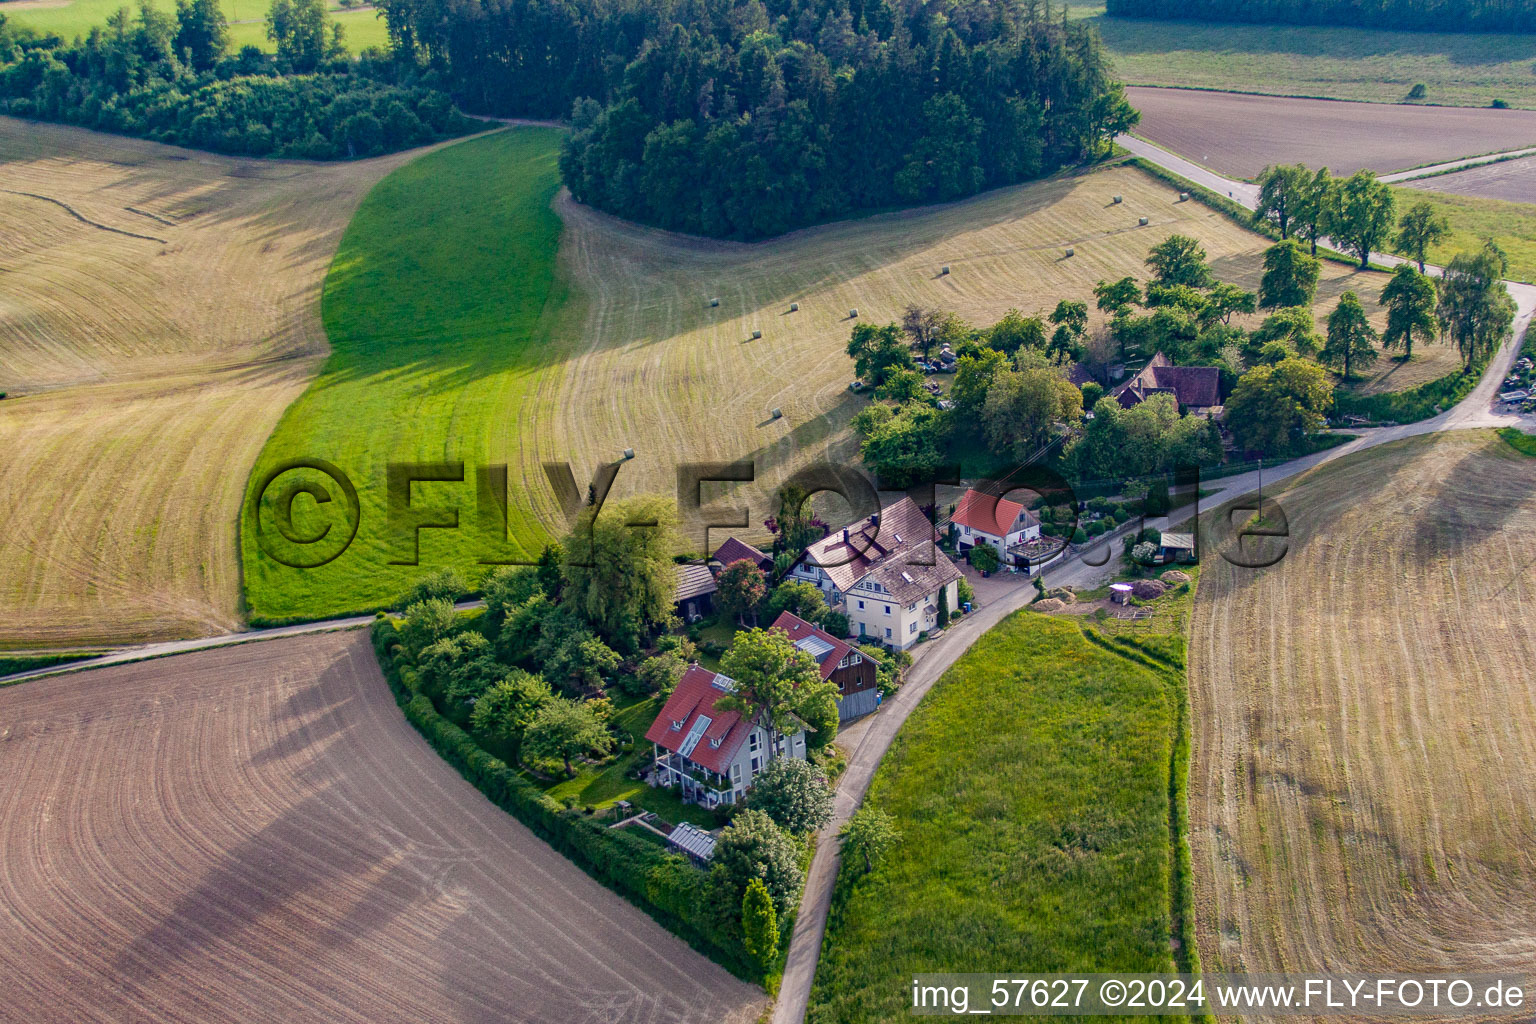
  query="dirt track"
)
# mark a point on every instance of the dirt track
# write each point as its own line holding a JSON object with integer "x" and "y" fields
{"x": 1239, "y": 134}
{"x": 256, "y": 834}
{"x": 1363, "y": 785}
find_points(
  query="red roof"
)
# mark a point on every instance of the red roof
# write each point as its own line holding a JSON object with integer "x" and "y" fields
{"x": 798, "y": 629}
{"x": 695, "y": 698}
{"x": 981, "y": 511}
{"x": 734, "y": 550}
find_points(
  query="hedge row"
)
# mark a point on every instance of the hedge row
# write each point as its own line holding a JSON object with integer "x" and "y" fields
{"x": 666, "y": 886}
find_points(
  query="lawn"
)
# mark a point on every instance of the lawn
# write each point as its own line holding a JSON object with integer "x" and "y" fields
{"x": 247, "y": 20}
{"x": 604, "y": 785}
{"x": 1473, "y": 219}
{"x": 438, "y": 308}
{"x": 1032, "y": 787}
{"x": 1457, "y": 69}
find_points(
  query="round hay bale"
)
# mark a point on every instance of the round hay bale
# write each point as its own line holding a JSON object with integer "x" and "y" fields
{"x": 756, "y": 335}
{"x": 1173, "y": 577}
{"x": 1147, "y": 589}
{"x": 1071, "y": 252}
{"x": 1050, "y": 604}
{"x": 1142, "y": 221}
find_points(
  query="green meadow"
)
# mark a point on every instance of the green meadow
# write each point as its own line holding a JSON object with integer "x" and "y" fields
{"x": 439, "y": 307}
{"x": 247, "y": 19}
{"x": 1033, "y": 788}
{"x": 1457, "y": 69}
{"x": 1476, "y": 218}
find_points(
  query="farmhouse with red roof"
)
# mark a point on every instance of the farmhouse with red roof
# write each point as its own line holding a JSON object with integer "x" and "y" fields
{"x": 982, "y": 518}
{"x": 711, "y": 754}
{"x": 1197, "y": 389}
{"x": 841, "y": 664}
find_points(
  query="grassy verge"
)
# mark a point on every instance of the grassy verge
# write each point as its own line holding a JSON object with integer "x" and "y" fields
{"x": 1474, "y": 219}
{"x": 1039, "y": 789}
{"x": 10, "y": 664}
{"x": 438, "y": 307}
{"x": 1409, "y": 406}
{"x": 1520, "y": 441}
{"x": 1333, "y": 62}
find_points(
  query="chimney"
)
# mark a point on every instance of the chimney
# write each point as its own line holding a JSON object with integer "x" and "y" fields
{"x": 845, "y": 535}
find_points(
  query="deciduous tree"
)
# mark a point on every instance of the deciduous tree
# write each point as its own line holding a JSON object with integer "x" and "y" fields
{"x": 741, "y": 588}
{"x": 1363, "y": 215}
{"x": 1351, "y": 338}
{"x": 1475, "y": 308}
{"x": 618, "y": 567}
{"x": 1411, "y": 302}
{"x": 792, "y": 793}
{"x": 1281, "y": 189}
{"x": 1290, "y": 276}
{"x": 1274, "y": 409}
{"x": 1179, "y": 259}
{"x": 1420, "y": 229}
{"x": 868, "y": 835}
{"x": 561, "y": 730}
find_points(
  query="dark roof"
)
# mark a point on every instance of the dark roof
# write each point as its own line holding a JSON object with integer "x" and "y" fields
{"x": 734, "y": 550}
{"x": 694, "y": 580}
{"x": 1194, "y": 386}
{"x": 907, "y": 580}
{"x": 991, "y": 515}
{"x": 848, "y": 555}
{"x": 827, "y": 654}
{"x": 1078, "y": 375}
{"x": 691, "y": 709}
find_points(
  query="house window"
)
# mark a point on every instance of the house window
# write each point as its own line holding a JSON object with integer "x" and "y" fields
{"x": 911, "y": 627}
{"x": 887, "y": 632}
{"x": 861, "y": 606}
{"x": 736, "y": 774}
{"x": 757, "y": 764}
{"x": 754, "y": 741}
{"x": 887, "y": 609}
{"x": 967, "y": 531}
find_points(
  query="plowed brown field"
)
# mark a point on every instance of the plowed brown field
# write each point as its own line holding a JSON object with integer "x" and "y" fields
{"x": 1363, "y": 789}
{"x": 255, "y": 834}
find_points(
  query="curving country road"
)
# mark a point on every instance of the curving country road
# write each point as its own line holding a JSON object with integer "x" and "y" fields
{"x": 1474, "y": 411}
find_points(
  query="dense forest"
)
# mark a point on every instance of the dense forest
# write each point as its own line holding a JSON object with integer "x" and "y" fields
{"x": 1414, "y": 15}
{"x": 170, "y": 78}
{"x": 742, "y": 118}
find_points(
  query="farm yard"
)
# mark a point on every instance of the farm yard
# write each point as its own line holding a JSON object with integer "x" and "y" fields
{"x": 1335, "y": 62}
{"x": 159, "y": 313}
{"x": 1031, "y": 787}
{"x": 1362, "y": 796}
{"x": 1238, "y": 134}
{"x": 256, "y": 833}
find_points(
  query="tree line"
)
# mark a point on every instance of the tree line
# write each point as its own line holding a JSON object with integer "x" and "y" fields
{"x": 172, "y": 78}
{"x": 1413, "y": 15}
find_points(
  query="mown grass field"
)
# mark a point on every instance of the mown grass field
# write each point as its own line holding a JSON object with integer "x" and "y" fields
{"x": 438, "y": 306}
{"x": 1473, "y": 219}
{"x": 159, "y": 311}
{"x": 247, "y": 19}
{"x": 1457, "y": 69}
{"x": 1363, "y": 783}
{"x": 1032, "y": 788}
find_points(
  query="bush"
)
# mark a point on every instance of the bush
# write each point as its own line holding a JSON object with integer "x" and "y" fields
{"x": 836, "y": 623}
{"x": 984, "y": 558}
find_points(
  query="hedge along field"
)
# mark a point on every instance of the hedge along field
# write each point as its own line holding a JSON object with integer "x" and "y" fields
{"x": 1032, "y": 787}
{"x": 247, "y": 20}
{"x": 1457, "y": 69}
{"x": 438, "y": 307}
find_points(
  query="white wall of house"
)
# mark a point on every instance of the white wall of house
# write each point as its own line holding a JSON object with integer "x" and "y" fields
{"x": 883, "y": 619}
{"x": 967, "y": 537}
{"x": 749, "y": 762}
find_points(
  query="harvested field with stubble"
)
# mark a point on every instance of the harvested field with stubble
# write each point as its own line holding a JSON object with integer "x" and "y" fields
{"x": 1363, "y": 784}
{"x": 663, "y": 372}
{"x": 160, "y": 310}
{"x": 255, "y": 834}
{"x": 1510, "y": 180}
{"x": 1238, "y": 134}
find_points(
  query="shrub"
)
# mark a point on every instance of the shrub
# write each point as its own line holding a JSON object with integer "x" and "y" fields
{"x": 792, "y": 793}
{"x": 984, "y": 558}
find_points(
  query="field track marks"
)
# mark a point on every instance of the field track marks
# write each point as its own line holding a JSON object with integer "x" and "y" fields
{"x": 82, "y": 218}
{"x": 256, "y": 834}
{"x": 1362, "y": 793}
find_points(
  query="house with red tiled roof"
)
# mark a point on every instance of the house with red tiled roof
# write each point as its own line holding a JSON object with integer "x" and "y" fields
{"x": 734, "y": 550}
{"x": 1197, "y": 389}
{"x": 842, "y": 665}
{"x": 885, "y": 572}
{"x": 710, "y": 753}
{"x": 982, "y": 518}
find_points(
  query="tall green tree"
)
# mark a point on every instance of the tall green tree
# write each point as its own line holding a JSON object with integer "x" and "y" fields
{"x": 1274, "y": 409}
{"x": 1420, "y": 229}
{"x": 202, "y": 33}
{"x": 1290, "y": 276}
{"x": 1282, "y": 188}
{"x": 1411, "y": 302}
{"x": 774, "y": 679}
{"x": 741, "y": 588}
{"x": 1024, "y": 406}
{"x": 504, "y": 712}
{"x": 1115, "y": 297}
{"x": 1293, "y": 326}
{"x": 1016, "y": 332}
{"x": 1179, "y": 259}
{"x": 618, "y": 570}
{"x": 759, "y": 923}
{"x": 878, "y": 351}
{"x": 1225, "y": 299}
{"x": 563, "y": 729}
{"x": 1071, "y": 320}
{"x": 1362, "y": 219}
{"x": 793, "y": 793}
{"x": 303, "y": 34}
{"x": 1475, "y": 310}
{"x": 799, "y": 598}
{"x": 868, "y": 835}
{"x": 1351, "y": 338}
{"x": 753, "y": 847}
{"x": 1315, "y": 206}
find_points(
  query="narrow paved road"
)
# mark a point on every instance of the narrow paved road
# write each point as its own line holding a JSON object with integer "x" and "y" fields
{"x": 1475, "y": 411}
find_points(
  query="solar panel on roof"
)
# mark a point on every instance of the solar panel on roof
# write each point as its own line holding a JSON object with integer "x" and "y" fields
{"x": 815, "y": 646}
{"x": 692, "y": 739}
